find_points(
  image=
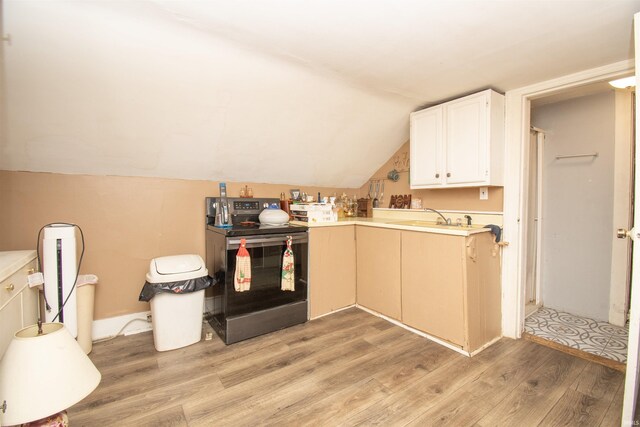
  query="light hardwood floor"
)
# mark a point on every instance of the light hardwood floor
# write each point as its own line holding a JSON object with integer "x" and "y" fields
{"x": 349, "y": 368}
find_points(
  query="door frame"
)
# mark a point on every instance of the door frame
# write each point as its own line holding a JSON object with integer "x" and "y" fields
{"x": 517, "y": 128}
{"x": 632, "y": 375}
{"x": 540, "y": 140}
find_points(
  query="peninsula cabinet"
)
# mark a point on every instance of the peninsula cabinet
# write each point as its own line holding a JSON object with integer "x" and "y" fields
{"x": 378, "y": 270}
{"x": 459, "y": 143}
{"x": 18, "y": 302}
{"x": 451, "y": 287}
{"x": 332, "y": 269}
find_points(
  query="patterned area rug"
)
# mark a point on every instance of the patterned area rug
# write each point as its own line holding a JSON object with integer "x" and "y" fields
{"x": 592, "y": 336}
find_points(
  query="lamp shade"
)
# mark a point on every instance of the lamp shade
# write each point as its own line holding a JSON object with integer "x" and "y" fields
{"x": 41, "y": 375}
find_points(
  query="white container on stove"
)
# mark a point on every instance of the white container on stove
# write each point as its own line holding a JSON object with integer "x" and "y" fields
{"x": 273, "y": 216}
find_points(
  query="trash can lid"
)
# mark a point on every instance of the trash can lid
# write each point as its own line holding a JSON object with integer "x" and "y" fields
{"x": 86, "y": 279}
{"x": 177, "y": 264}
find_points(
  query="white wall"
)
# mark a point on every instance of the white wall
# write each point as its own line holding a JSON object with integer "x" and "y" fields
{"x": 125, "y": 88}
{"x": 577, "y": 206}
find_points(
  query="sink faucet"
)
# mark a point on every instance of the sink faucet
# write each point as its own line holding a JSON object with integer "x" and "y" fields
{"x": 446, "y": 221}
{"x": 468, "y": 217}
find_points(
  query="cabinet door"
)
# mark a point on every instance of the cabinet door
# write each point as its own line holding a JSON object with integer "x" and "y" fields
{"x": 378, "y": 269}
{"x": 426, "y": 147}
{"x": 332, "y": 269}
{"x": 432, "y": 284}
{"x": 11, "y": 321}
{"x": 29, "y": 306}
{"x": 484, "y": 297}
{"x": 11, "y": 286}
{"x": 467, "y": 153}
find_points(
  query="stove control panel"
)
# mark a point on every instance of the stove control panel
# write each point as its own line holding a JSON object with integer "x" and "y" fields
{"x": 246, "y": 205}
{"x": 238, "y": 206}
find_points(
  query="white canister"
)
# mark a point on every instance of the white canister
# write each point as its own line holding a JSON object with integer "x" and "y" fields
{"x": 273, "y": 216}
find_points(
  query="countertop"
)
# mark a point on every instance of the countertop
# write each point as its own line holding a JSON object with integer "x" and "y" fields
{"x": 11, "y": 261}
{"x": 400, "y": 224}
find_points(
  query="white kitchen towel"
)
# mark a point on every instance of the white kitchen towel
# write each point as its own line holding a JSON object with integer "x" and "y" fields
{"x": 242, "y": 276}
{"x": 288, "y": 271}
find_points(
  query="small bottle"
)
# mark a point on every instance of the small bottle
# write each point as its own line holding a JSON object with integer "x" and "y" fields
{"x": 284, "y": 204}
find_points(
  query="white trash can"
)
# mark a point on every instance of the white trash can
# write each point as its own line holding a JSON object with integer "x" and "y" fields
{"x": 176, "y": 315}
{"x": 86, "y": 287}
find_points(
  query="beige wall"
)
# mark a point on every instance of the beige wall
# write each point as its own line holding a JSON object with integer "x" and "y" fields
{"x": 129, "y": 220}
{"x": 467, "y": 199}
{"x": 126, "y": 221}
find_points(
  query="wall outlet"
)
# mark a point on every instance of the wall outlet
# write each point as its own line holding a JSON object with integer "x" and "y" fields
{"x": 484, "y": 193}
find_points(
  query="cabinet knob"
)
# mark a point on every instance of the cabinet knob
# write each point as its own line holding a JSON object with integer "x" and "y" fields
{"x": 448, "y": 174}
{"x": 437, "y": 175}
{"x": 10, "y": 287}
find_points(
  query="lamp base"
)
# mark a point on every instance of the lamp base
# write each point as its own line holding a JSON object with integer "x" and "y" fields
{"x": 56, "y": 420}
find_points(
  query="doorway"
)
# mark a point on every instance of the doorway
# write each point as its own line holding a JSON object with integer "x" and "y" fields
{"x": 518, "y": 103}
{"x": 570, "y": 260}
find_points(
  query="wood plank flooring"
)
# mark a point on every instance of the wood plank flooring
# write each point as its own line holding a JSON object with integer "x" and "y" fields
{"x": 349, "y": 368}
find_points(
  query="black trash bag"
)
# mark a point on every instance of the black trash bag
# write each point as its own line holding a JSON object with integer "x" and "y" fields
{"x": 149, "y": 290}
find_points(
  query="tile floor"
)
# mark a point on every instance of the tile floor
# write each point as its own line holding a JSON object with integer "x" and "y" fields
{"x": 592, "y": 336}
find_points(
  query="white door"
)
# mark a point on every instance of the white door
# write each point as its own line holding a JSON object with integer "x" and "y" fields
{"x": 467, "y": 140}
{"x": 426, "y": 147}
{"x": 632, "y": 376}
{"x": 622, "y": 213}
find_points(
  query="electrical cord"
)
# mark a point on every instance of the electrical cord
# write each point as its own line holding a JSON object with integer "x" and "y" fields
{"x": 109, "y": 338}
{"x": 75, "y": 281}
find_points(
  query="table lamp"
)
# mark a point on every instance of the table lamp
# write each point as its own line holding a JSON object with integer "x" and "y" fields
{"x": 42, "y": 373}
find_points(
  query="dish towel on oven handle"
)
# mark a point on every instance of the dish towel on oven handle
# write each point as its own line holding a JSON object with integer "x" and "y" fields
{"x": 242, "y": 276}
{"x": 288, "y": 283}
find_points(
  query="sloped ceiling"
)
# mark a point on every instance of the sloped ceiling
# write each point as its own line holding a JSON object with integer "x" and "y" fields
{"x": 277, "y": 91}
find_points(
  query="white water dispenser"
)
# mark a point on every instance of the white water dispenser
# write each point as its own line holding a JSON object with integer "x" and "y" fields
{"x": 60, "y": 271}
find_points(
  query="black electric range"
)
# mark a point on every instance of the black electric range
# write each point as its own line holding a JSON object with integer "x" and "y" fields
{"x": 237, "y": 315}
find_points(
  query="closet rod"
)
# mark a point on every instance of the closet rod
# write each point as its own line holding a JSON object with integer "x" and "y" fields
{"x": 571, "y": 156}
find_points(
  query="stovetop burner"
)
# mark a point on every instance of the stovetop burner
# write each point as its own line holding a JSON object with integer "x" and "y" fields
{"x": 256, "y": 229}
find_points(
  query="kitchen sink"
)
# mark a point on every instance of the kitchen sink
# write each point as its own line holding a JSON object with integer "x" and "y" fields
{"x": 432, "y": 224}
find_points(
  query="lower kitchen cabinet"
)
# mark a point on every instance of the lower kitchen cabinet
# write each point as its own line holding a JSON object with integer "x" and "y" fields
{"x": 18, "y": 302}
{"x": 451, "y": 287}
{"x": 332, "y": 269}
{"x": 378, "y": 270}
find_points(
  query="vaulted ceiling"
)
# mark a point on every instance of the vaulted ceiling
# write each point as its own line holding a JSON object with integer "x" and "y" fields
{"x": 313, "y": 92}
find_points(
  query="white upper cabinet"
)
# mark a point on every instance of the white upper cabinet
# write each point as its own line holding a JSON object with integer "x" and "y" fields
{"x": 426, "y": 125}
{"x": 459, "y": 143}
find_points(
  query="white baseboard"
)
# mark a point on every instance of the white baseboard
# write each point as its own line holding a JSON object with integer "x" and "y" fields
{"x": 134, "y": 323}
{"x": 493, "y": 341}
{"x": 112, "y": 326}
{"x": 333, "y": 312}
{"x": 417, "y": 332}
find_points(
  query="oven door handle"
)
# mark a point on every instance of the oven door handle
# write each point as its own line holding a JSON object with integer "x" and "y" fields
{"x": 273, "y": 240}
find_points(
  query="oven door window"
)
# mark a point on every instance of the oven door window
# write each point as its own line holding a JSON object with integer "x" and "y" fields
{"x": 266, "y": 270}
